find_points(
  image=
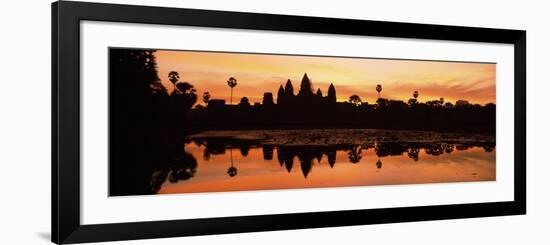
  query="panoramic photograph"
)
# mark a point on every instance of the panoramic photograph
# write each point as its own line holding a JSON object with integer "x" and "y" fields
{"x": 185, "y": 121}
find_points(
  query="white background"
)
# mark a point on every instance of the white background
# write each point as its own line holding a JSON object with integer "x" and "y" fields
{"x": 25, "y": 122}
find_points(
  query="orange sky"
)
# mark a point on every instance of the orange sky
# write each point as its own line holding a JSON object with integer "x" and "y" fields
{"x": 258, "y": 73}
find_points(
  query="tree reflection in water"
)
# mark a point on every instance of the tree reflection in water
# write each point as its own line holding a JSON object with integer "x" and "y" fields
{"x": 354, "y": 154}
{"x": 378, "y": 164}
{"x": 161, "y": 163}
{"x": 231, "y": 171}
{"x": 180, "y": 166}
{"x": 307, "y": 154}
{"x": 146, "y": 171}
{"x": 412, "y": 153}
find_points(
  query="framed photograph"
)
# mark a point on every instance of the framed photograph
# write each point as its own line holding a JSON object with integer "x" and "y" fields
{"x": 178, "y": 122}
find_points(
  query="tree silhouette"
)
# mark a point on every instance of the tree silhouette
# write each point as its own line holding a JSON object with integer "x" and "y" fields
{"x": 206, "y": 97}
{"x": 182, "y": 98}
{"x": 378, "y": 89}
{"x": 378, "y": 164}
{"x": 173, "y": 77}
{"x": 355, "y": 99}
{"x": 244, "y": 102}
{"x": 382, "y": 103}
{"x": 231, "y": 171}
{"x": 158, "y": 89}
{"x": 135, "y": 94}
{"x": 414, "y": 100}
{"x": 354, "y": 154}
{"x": 449, "y": 148}
{"x": 183, "y": 167}
{"x": 184, "y": 88}
{"x": 461, "y": 103}
{"x": 231, "y": 82}
{"x": 134, "y": 80}
{"x": 413, "y": 153}
{"x": 206, "y": 155}
{"x": 488, "y": 148}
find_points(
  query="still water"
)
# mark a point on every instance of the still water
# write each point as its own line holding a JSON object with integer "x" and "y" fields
{"x": 237, "y": 161}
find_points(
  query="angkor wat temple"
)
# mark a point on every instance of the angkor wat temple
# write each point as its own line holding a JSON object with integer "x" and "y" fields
{"x": 308, "y": 109}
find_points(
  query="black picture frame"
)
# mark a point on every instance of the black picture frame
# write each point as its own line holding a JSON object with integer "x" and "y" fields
{"x": 66, "y": 18}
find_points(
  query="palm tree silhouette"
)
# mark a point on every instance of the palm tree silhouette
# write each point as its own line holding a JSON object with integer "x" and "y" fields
{"x": 378, "y": 164}
{"x": 232, "y": 82}
{"x": 414, "y": 100}
{"x": 231, "y": 171}
{"x": 173, "y": 77}
{"x": 378, "y": 89}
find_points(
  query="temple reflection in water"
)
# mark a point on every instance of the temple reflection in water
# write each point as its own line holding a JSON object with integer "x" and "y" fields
{"x": 221, "y": 164}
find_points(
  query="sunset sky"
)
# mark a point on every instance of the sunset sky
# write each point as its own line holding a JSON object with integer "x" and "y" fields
{"x": 259, "y": 73}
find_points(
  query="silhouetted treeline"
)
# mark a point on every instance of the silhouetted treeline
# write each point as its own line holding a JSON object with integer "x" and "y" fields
{"x": 141, "y": 113}
{"x": 143, "y": 173}
{"x": 137, "y": 99}
{"x": 306, "y": 109}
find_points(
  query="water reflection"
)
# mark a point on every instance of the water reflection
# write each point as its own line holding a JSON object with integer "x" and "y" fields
{"x": 182, "y": 166}
{"x": 209, "y": 164}
{"x": 307, "y": 154}
{"x": 232, "y": 171}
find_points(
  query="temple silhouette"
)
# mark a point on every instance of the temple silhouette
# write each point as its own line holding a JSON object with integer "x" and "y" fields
{"x": 285, "y": 97}
{"x": 139, "y": 102}
{"x": 308, "y": 109}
